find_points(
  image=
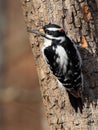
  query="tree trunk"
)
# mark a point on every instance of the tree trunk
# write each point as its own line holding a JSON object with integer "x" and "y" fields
{"x": 79, "y": 18}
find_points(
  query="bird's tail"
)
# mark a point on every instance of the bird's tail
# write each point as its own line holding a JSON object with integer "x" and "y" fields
{"x": 75, "y": 100}
{"x": 74, "y": 92}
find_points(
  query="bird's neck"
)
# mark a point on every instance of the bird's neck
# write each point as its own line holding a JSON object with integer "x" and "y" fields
{"x": 47, "y": 42}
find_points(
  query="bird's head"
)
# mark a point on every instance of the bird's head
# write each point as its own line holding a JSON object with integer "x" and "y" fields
{"x": 51, "y": 32}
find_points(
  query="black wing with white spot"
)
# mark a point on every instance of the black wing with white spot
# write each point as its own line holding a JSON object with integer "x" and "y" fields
{"x": 65, "y": 62}
{"x": 57, "y": 59}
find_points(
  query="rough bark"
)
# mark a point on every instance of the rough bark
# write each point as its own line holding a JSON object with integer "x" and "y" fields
{"x": 80, "y": 21}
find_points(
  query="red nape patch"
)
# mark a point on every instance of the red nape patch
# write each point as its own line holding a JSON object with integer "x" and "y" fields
{"x": 61, "y": 30}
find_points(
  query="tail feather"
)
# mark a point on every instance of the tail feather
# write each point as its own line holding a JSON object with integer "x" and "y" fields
{"x": 75, "y": 93}
{"x": 76, "y": 102}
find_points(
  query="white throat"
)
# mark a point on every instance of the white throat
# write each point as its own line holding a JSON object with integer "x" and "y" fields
{"x": 47, "y": 42}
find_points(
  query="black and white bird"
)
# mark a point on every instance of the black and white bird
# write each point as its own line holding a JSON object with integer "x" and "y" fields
{"x": 63, "y": 58}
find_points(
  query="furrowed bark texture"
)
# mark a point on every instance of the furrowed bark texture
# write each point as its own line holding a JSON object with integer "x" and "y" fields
{"x": 79, "y": 18}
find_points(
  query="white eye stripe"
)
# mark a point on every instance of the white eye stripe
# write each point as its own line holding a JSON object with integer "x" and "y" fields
{"x": 53, "y": 29}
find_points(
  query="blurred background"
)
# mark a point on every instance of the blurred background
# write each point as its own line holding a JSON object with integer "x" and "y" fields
{"x": 20, "y": 100}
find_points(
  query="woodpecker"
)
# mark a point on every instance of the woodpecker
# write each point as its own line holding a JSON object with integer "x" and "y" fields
{"x": 63, "y": 58}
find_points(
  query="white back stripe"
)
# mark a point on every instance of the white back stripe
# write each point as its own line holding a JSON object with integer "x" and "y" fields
{"x": 62, "y": 59}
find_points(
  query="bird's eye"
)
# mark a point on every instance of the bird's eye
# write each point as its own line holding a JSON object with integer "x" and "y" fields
{"x": 48, "y": 32}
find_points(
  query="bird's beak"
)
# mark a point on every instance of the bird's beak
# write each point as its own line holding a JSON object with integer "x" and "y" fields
{"x": 40, "y": 32}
